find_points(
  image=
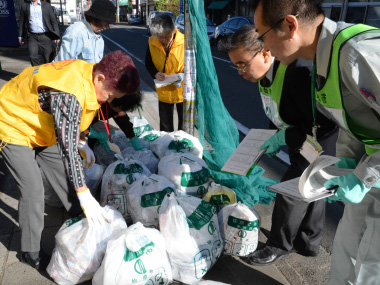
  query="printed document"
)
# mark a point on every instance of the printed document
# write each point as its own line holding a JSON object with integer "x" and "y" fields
{"x": 309, "y": 187}
{"x": 248, "y": 152}
{"x": 169, "y": 79}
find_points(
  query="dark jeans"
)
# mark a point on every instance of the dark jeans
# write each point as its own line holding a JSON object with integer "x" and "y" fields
{"x": 39, "y": 43}
{"x": 295, "y": 224}
{"x": 165, "y": 111}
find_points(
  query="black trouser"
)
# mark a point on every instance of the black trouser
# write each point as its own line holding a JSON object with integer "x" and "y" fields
{"x": 165, "y": 110}
{"x": 39, "y": 43}
{"x": 295, "y": 224}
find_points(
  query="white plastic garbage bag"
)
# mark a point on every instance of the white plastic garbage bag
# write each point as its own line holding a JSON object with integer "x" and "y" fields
{"x": 119, "y": 138}
{"x": 190, "y": 228}
{"x": 137, "y": 256}
{"x": 144, "y": 198}
{"x": 149, "y": 136}
{"x": 116, "y": 180}
{"x": 188, "y": 173}
{"x": 102, "y": 156}
{"x": 240, "y": 227}
{"x": 93, "y": 177}
{"x": 145, "y": 156}
{"x": 177, "y": 142}
{"x": 220, "y": 195}
{"x": 140, "y": 125}
{"x": 79, "y": 248}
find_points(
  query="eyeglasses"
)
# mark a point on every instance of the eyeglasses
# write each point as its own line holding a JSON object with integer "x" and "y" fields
{"x": 261, "y": 38}
{"x": 244, "y": 68}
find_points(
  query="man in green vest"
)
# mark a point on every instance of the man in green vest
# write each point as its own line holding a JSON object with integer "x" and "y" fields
{"x": 346, "y": 83}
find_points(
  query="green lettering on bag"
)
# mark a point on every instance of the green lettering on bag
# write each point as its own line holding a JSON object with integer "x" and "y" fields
{"x": 72, "y": 221}
{"x": 131, "y": 255}
{"x": 220, "y": 199}
{"x": 201, "y": 215}
{"x": 190, "y": 179}
{"x": 180, "y": 145}
{"x": 139, "y": 130}
{"x": 151, "y": 137}
{"x": 130, "y": 169}
{"x": 242, "y": 224}
{"x": 155, "y": 199}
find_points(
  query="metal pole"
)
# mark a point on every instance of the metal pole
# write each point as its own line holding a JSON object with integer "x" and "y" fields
{"x": 190, "y": 77}
{"x": 117, "y": 11}
{"x": 60, "y": 2}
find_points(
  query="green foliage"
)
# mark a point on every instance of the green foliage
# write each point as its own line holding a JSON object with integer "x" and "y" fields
{"x": 167, "y": 5}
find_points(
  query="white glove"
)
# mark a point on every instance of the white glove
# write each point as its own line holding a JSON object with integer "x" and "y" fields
{"x": 95, "y": 214}
{"x": 87, "y": 154}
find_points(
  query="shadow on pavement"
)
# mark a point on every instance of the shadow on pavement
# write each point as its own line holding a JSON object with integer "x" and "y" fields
{"x": 229, "y": 270}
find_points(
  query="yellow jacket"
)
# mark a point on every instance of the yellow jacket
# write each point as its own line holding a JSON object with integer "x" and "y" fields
{"x": 175, "y": 63}
{"x": 22, "y": 120}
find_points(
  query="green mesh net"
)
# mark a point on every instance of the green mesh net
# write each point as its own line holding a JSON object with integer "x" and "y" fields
{"x": 217, "y": 130}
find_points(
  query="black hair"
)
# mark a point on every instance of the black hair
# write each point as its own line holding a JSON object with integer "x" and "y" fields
{"x": 275, "y": 10}
{"x": 245, "y": 37}
{"x": 128, "y": 103}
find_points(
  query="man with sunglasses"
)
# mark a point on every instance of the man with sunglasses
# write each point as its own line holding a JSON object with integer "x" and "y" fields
{"x": 280, "y": 84}
{"x": 346, "y": 86}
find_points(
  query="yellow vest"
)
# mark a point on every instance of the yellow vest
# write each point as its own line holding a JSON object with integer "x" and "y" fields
{"x": 175, "y": 63}
{"x": 22, "y": 120}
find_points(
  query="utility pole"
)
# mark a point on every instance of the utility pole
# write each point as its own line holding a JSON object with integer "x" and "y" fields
{"x": 190, "y": 76}
{"x": 117, "y": 11}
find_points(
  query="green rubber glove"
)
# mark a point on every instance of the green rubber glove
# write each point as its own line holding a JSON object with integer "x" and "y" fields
{"x": 346, "y": 162}
{"x": 136, "y": 143}
{"x": 102, "y": 138}
{"x": 351, "y": 189}
{"x": 274, "y": 143}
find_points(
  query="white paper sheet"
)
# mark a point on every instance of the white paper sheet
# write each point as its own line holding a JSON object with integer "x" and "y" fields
{"x": 169, "y": 79}
{"x": 309, "y": 187}
{"x": 248, "y": 152}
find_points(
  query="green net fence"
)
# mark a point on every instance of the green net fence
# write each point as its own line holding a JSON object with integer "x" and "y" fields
{"x": 217, "y": 130}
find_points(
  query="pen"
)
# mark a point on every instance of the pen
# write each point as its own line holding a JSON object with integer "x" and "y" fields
{"x": 368, "y": 95}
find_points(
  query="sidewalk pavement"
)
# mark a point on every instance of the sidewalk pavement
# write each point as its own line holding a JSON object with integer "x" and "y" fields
{"x": 232, "y": 270}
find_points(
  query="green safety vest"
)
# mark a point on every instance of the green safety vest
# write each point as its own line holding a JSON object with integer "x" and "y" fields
{"x": 330, "y": 96}
{"x": 271, "y": 97}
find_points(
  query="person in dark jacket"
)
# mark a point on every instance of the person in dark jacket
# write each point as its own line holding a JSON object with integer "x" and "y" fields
{"x": 39, "y": 27}
{"x": 296, "y": 225}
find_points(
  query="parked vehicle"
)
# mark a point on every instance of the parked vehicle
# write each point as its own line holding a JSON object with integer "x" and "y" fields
{"x": 66, "y": 16}
{"x": 123, "y": 17}
{"x": 153, "y": 14}
{"x": 180, "y": 25}
{"x": 230, "y": 26}
{"x": 133, "y": 19}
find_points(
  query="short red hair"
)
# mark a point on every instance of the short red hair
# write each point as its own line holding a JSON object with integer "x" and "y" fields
{"x": 120, "y": 72}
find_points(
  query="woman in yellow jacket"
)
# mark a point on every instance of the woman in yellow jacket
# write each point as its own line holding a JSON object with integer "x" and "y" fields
{"x": 165, "y": 55}
{"x": 42, "y": 114}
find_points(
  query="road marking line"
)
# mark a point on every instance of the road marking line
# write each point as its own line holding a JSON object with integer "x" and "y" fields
{"x": 125, "y": 50}
{"x": 225, "y": 60}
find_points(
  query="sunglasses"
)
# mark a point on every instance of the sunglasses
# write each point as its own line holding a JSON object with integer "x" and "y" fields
{"x": 261, "y": 38}
{"x": 242, "y": 69}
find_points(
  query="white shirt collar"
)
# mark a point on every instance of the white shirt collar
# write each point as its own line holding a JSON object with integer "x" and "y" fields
{"x": 269, "y": 73}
